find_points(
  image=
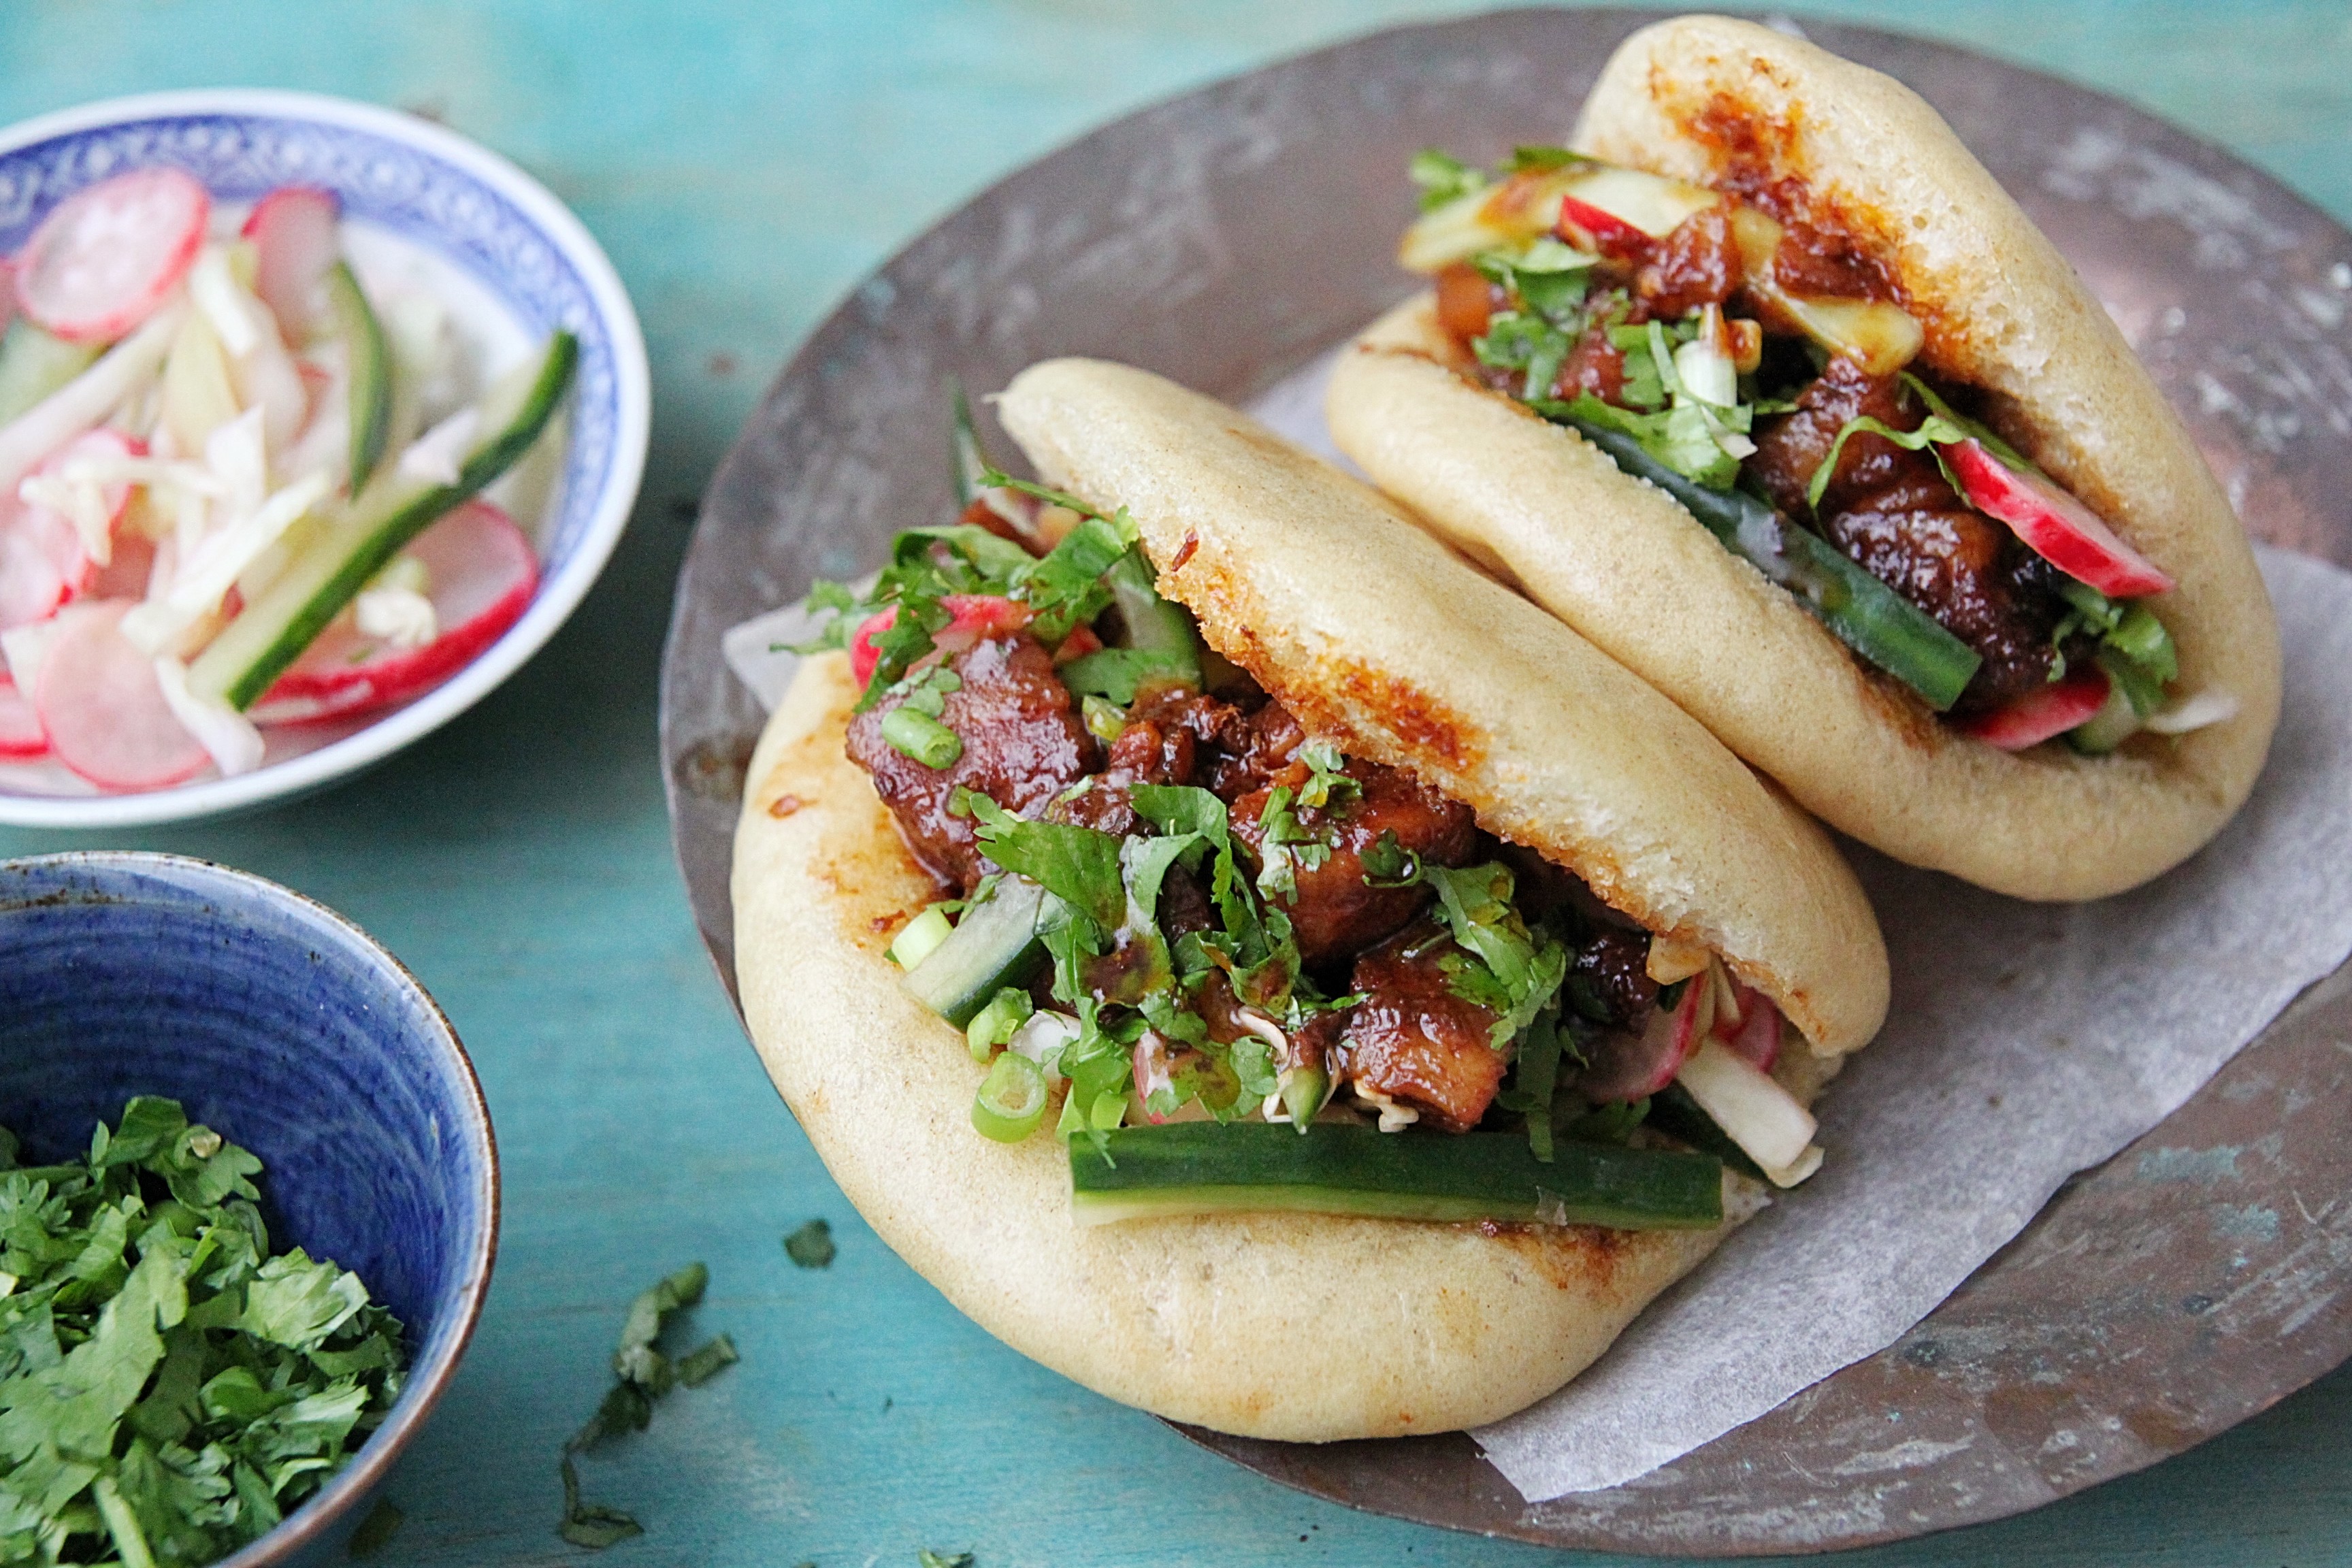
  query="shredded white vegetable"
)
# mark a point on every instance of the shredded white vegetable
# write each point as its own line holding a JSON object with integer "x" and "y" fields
{"x": 436, "y": 455}
{"x": 401, "y": 616}
{"x": 2208, "y": 707}
{"x": 84, "y": 400}
{"x": 227, "y": 735}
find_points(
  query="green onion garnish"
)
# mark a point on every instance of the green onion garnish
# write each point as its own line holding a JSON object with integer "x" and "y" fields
{"x": 1012, "y": 1099}
{"x": 921, "y": 737}
{"x": 994, "y": 1024}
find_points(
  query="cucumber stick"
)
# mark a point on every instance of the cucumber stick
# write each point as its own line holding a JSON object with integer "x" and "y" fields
{"x": 33, "y": 364}
{"x": 370, "y": 372}
{"x": 1200, "y": 1167}
{"x": 1863, "y": 613}
{"x": 994, "y": 946}
{"x": 351, "y": 548}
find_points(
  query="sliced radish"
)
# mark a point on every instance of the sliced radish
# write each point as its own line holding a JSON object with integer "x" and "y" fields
{"x": 42, "y": 564}
{"x": 2053, "y": 524}
{"x": 977, "y": 615}
{"x": 1606, "y": 202}
{"x": 2041, "y": 715}
{"x": 1627, "y": 1065}
{"x": 21, "y": 735}
{"x": 103, "y": 710}
{"x": 483, "y": 574}
{"x": 74, "y": 482}
{"x": 294, "y": 241}
{"x": 129, "y": 573}
{"x": 1588, "y": 227}
{"x": 108, "y": 256}
{"x": 1758, "y": 1041}
{"x": 8, "y": 291}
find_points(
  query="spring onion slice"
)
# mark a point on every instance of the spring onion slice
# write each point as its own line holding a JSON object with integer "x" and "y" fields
{"x": 1200, "y": 1167}
{"x": 1863, "y": 613}
{"x": 1012, "y": 1099}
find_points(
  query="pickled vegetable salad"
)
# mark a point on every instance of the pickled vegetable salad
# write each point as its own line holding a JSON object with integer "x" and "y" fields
{"x": 1260, "y": 974}
{"x": 1753, "y": 365}
{"x": 236, "y": 491}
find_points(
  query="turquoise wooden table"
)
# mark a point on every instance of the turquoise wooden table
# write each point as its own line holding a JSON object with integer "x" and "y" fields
{"x": 745, "y": 161}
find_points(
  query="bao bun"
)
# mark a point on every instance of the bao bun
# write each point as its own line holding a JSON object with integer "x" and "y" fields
{"x": 1629, "y": 568}
{"x": 1300, "y": 1327}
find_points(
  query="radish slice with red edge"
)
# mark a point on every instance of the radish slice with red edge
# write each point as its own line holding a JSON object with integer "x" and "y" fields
{"x": 1588, "y": 227}
{"x": 977, "y": 615}
{"x": 1626, "y": 1065}
{"x": 294, "y": 241}
{"x": 1758, "y": 1041}
{"x": 44, "y": 562}
{"x": 21, "y": 735}
{"x": 2053, "y": 524}
{"x": 108, "y": 256}
{"x": 103, "y": 710}
{"x": 482, "y": 573}
{"x": 2041, "y": 715}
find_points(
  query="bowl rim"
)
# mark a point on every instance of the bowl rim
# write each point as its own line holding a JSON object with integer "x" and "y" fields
{"x": 428, "y": 1377}
{"x": 559, "y": 592}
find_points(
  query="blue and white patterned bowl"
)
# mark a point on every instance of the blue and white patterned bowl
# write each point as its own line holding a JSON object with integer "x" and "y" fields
{"x": 468, "y": 210}
{"x": 281, "y": 1025}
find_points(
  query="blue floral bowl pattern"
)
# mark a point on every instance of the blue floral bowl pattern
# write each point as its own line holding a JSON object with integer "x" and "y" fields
{"x": 285, "y": 1028}
{"x": 436, "y": 190}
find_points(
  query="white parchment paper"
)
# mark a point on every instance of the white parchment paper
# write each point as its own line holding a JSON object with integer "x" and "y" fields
{"x": 2026, "y": 1042}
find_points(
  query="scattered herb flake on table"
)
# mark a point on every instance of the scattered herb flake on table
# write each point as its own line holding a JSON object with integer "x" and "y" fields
{"x": 810, "y": 1246}
{"x": 642, "y": 1374}
{"x": 169, "y": 1390}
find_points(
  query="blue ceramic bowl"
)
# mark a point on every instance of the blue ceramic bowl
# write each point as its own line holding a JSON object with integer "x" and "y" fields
{"x": 281, "y": 1025}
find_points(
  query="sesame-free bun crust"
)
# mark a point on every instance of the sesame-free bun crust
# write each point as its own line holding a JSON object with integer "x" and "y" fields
{"x": 1701, "y": 98}
{"x": 1299, "y": 1327}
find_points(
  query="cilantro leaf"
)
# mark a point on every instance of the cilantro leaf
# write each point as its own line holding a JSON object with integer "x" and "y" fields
{"x": 1527, "y": 343}
{"x": 169, "y": 1391}
{"x": 1443, "y": 178}
{"x": 1077, "y": 865}
{"x": 810, "y": 1246}
{"x": 1389, "y": 863}
{"x": 1118, "y": 673}
{"x": 1516, "y": 973}
{"x": 642, "y": 1376}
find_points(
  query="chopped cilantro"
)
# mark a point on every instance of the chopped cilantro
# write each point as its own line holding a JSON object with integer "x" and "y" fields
{"x": 1327, "y": 782}
{"x": 1116, "y": 673}
{"x": 810, "y": 1246}
{"x": 1443, "y": 178}
{"x": 1517, "y": 972}
{"x": 701, "y": 1365}
{"x": 169, "y": 1390}
{"x": 1078, "y": 866}
{"x": 1286, "y": 847}
{"x": 1389, "y": 863}
{"x": 1527, "y": 343}
{"x": 642, "y": 1376}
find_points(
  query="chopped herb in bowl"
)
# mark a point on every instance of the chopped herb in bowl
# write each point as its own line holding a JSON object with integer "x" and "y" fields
{"x": 170, "y": 1387}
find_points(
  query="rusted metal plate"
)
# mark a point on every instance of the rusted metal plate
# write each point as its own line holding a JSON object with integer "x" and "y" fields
{"x": 1224, "y": 238}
